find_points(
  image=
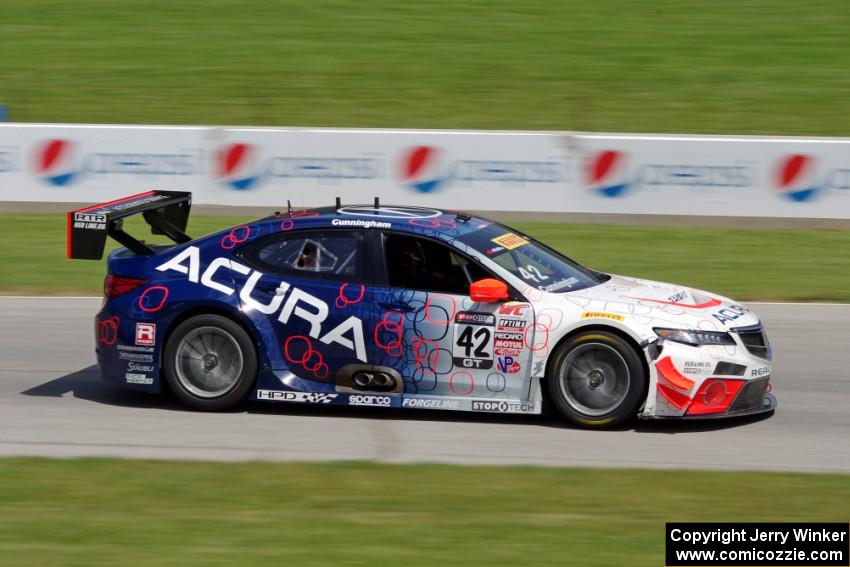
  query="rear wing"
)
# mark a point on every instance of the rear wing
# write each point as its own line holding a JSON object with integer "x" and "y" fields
{"x": 167, "y": 212}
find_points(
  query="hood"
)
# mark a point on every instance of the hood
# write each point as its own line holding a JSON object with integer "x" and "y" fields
{"x": 659, "y": 304}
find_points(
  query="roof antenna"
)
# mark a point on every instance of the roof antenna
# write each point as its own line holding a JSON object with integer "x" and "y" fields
{"x": 288, "y": 207}
{"x": 377, "y": 204}
{"x": 338, "y": 203}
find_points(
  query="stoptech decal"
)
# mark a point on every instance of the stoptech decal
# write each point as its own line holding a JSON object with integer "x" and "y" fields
{"x": 475, "y": 318}
{"x": 304, "y": 397}
{"x": 504, "y": 406}
{"x": 473, "y": 340}
{"x": 288, "y": 300}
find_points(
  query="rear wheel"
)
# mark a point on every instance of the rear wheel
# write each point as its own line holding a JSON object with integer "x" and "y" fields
{"x": 596, "y": 379}
{"x": 210, "y": 362}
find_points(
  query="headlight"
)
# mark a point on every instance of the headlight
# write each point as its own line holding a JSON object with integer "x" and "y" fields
{"x": 694, "y": 337}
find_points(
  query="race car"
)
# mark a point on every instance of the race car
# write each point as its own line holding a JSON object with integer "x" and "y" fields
{"x": 407, "y": 307}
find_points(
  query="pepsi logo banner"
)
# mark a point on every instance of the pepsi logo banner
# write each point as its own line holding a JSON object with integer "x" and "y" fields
{"x": 474, "y": 170}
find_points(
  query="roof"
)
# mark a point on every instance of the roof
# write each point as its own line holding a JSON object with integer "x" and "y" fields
{"x": 422, "y": 220}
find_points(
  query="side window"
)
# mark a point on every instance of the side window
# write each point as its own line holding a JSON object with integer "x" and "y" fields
{"x": 418, "y": 263}
{"x": 333, "y": 254}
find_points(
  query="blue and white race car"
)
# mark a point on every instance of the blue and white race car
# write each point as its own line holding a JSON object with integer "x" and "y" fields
{"x": 398, "y": 306}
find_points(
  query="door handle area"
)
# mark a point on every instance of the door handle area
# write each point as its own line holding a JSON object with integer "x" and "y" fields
{"x": 404, "y": 308}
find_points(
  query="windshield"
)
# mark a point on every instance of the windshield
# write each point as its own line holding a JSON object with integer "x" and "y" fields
{"x": 532, "y": 262}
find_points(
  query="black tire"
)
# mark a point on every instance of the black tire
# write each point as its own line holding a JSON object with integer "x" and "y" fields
{"x": 603, "y": 395}
{"x": 208, "y": 379}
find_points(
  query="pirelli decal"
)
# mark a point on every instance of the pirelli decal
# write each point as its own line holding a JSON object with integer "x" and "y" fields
{"x": 509, "y": 241}
{"x": 602, "y": 315}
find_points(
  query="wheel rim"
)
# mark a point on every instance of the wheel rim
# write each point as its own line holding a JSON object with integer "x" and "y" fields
{"x": 594, "y": 379}
{"x": 209, "y": 362}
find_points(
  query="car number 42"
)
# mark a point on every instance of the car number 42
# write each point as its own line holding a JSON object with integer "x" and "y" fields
{"x": 473, "y": 346}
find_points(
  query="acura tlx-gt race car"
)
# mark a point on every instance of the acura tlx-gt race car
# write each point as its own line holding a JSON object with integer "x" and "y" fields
{"x": 411, "y": 307}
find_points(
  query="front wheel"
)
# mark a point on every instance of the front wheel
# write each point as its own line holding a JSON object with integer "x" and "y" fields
{"x": 596, "y": 379}
{"x": 210, "y": 362}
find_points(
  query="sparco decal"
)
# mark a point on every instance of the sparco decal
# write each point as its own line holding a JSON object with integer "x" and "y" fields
{"x": 730, "y": 313}
{"x": 430, "y": 403}
{"x": 304, "y": 397}
{"x": 503, "y": 406}
{"x": 367, "y": 400}
{"x": 288, "y": 300}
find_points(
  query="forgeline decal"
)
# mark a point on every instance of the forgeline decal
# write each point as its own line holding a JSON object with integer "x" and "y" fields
{"x": 288, "y": 300}
{"x": 473, "y": 343}
{"x": 303, "y": 397}
{"x": 509, "y": 241}
{"x": 146, "y": 334}
{"x": 601, "y": 315}
{"x": 431, "y": 403}
{"x": 504, "y": 406}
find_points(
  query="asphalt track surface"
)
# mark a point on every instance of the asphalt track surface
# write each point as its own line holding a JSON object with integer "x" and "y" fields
{"x": 53, "y": 403}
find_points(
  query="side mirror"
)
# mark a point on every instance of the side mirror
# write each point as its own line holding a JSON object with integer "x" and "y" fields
{"x": 488, "y": 291}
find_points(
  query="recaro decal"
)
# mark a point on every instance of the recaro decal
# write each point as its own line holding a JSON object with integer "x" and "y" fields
{"x": 288, "y": 300}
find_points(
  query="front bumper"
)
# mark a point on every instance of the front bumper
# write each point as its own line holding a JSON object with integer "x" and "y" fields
{"x": 768, "y": 404}
{"x": 688, "y": 382}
